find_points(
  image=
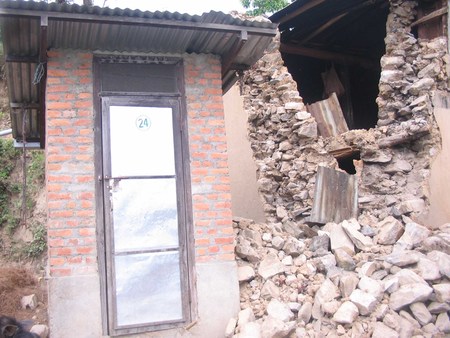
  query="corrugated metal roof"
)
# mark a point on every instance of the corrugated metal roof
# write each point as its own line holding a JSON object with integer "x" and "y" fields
{"x": 119, "y": 30}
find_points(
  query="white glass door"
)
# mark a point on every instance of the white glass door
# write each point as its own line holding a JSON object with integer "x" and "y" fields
{"x": 142, "y": 204}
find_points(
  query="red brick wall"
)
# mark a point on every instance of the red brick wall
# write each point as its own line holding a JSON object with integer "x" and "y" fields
{"x": 70, "y": 162}
{"x": 211, "y": 189}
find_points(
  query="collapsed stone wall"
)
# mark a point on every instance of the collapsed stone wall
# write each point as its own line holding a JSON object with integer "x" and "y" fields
{"x": 384, "y": 274}
{"x": 390, "y": 279}
{"x": 395, "y": 155}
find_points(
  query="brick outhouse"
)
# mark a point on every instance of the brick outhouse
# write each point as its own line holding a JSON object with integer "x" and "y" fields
{"x": 128, "y": 106}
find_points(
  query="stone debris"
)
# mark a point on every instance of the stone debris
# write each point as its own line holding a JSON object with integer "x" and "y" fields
{"x": 312, "y": 295}
{"x": 41, "y": 330}
{"x": 29, "y": 302}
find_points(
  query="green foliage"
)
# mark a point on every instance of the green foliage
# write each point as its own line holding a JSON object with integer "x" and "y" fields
{"x": 36, "y": 168}
{"x": 258, "y": 7}
{"x": 39, "y": 243}
{"x": 8, "y": 156}
{"x": 11, "y": 195}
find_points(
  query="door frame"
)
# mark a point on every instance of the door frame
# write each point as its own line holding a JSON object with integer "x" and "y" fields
{"x": 175, "y": 101}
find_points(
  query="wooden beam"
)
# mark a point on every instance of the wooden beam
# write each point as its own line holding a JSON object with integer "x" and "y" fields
{"x": 300, "y": 10}
{"x": 433, "y": 15}
{"x": 323, "y": 27}
{"x": 235, "y": 49}
{"x": 344, "y": 59}
{"x": 21, "y": 59}
{"x": 403, "y": 137}
{"x": 338, "y": 17}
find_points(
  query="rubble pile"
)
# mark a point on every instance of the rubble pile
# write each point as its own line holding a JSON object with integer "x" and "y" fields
{"x": 395, "y": 155}
{"x": 354, "y": 279}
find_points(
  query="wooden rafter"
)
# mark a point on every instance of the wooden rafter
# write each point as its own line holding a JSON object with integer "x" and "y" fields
{"x": 434, "y": 15}
{"x": 344, "y": 59}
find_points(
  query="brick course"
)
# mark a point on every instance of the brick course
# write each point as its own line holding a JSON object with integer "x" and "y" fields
{"x": 70, "y": 171}
{"x": 211, "y": 188}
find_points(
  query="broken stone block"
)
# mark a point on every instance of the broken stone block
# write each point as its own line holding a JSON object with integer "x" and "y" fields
{"x": 347, "y": 284}
{"x": 421, "y": 86}
{"x": 346, "y": 314}
{"x": 320, "y": 242}
{"x": 270, "y": 266}
{"x": 427, "y": 269}
{"x": 367, "y": 269}
{"x": 231, "y": 326}
{"x": 401, "y": 166}
{"x": 277, "y": 242}
{"x": 436, "y": 307}
{"x": 351, "y": 228}
{"x": 273, "y": 327}
{"x": 308, "y": 131}
{"x": 365, "y": 302}
{"x": 408, "y": 294}
{"x": 279, "y": 310}
{"x": 294, "y": 106}
{"x": 421, "y": 313}
{"x": 415, "y": 205}
{"x": 245, "y": 316}
{"x": 304, "y": 314}
{"x": 413, "y": 236}
{"x": 388, "y": 76}
{"x": 338, "y": 237}
{"x": 270, "y": 290}
{"x": 443, "y": 260}
{"x": 245, "y": 251}
{"x": 371, "y": 286}
{"x": 443, "y": 322}
{"x": 29, "y": 302}
{"x": 378, "y": 156}
{"x": 383, "y": 331}
{"x": 389, "y": 231}
{"x": 391, "y": 284}
{"x": 245, "y": 273}
{"x": 442, "y": 292}
{"x": 41, "y": 330}
{"x": 250, "y": 330}
{"x": 302, "y": 115}
{"x": 403, "y": 258}
{"x": 293, "y": 229}
{"x": 406, "y": 276}
{"x": 344, "y": 260}
{"x": 438, "y": 242}
{"x": 293, "y": 247}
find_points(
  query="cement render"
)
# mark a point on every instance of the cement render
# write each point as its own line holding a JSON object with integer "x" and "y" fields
{"x": 75, "y": 311}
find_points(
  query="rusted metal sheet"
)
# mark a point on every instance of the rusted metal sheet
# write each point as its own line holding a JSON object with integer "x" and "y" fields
{"x": 329, "y": 117}
{"x": 335, "y": 196}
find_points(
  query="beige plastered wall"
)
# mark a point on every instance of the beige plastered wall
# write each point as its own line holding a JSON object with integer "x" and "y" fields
{"x": 245, "y": 199}
{"x": 439, "y": 212}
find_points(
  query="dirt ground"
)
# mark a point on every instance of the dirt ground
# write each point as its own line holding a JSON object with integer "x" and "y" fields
{"x": 16, "y": 282}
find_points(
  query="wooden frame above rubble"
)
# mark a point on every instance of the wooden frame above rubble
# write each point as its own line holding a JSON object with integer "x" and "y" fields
{"x": 333, "y": 49}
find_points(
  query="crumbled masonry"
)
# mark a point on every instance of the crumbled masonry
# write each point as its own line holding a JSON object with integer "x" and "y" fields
{"x": 382, "y": 274}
